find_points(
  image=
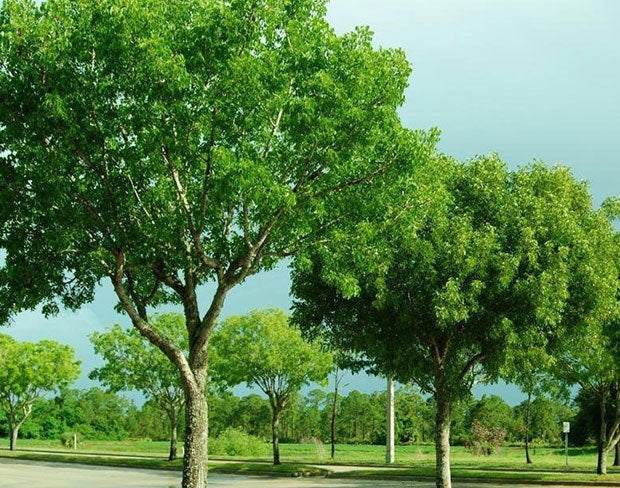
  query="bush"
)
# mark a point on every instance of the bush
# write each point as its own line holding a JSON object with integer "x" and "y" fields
{"x": 66, "y": 439}
{"x": 485, "y": 440}
{"x": 234, "y": 442}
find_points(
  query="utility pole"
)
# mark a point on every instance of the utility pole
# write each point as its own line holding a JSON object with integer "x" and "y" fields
{"x": 389, "y": 447}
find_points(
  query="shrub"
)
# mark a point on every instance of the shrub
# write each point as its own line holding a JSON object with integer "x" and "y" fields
{"x": 235, "y": 442}
{"x": 66, "y": 439}
{"x": 485, "y": 440}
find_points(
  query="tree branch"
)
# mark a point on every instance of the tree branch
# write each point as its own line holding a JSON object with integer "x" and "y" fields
{"x": 208, "y": 262}
{"x": 470, "y": 364}
{"x": 171, "y": 350}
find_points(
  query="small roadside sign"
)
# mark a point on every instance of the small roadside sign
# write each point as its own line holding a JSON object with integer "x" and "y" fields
{"x": 565, "y": 427}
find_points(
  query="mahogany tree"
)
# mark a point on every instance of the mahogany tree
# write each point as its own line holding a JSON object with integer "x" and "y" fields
{"x": 160, "y": 146}
{"x": 499, "y": 260}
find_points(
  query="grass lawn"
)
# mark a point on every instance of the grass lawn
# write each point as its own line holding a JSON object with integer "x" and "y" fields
{"x": 553, "y": 459}
{"x": 419, "y": 458}
{"x": 288, "y": 469}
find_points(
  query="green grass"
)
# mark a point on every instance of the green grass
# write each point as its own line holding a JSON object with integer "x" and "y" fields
{"x": 481, "y": 474}
{"x": 552, "y": 459}
{"x": 289, "y": 469}
{"x": 128, "y": 447}
{"x": 419, "y": 458}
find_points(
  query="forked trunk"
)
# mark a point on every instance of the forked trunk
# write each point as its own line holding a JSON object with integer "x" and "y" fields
{"x": 442, "y": 442}
{"x": 14, "y": 426}
{"x": 196, "y": 436}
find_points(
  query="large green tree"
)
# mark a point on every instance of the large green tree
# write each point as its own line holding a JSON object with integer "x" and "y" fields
{"x": 498, "y": 260}
{"x": 27, "y": 372}
{"x": 133, "y": 363}
{"x": 263, "y": 350}
{"x": 160, "y": 146}
{"x": 591, "y": 360}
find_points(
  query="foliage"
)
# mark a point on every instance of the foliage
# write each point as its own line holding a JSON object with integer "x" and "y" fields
{"x": 492, "y": 412}
{"x": 27, "y": 372}
{"x": 100, "y": 414}
{"x": 164, "y": 145}
{"x": 413, "y": 416}
{"x": 235, "y": 442}
{"x": 149, "y": 423}
{"x": 132, "y": 363}
{"x": 591, "y": 362}
{"x": 262, "y": 349}
{"x": 94, "y": 414}
{"x": 499, "y": 260}
{"x": 547, "y": 415}
{"x": 485, "y": 440}
{"x": 70, "y": 439}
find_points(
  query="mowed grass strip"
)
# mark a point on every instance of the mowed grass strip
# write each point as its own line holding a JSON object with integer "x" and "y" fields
{"x": 510, "y": 458}
{"x": 470, "y": 474}
{"x": 288, "y": 469}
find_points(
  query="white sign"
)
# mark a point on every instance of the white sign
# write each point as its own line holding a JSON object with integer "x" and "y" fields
{"x": 565, "y": 427}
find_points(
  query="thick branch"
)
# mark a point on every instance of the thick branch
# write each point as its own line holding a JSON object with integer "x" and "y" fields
{"x": 171, "y": 350}
{"x": 470, "y": 364}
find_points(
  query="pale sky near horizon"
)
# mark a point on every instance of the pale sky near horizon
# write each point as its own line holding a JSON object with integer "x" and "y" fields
{"x": 528, "y": 79}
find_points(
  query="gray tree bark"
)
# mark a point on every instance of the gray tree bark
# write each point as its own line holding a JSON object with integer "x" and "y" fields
{"x": 275, "y": 424}
{"x": 173, "y": 441}
{"x": 442, "y": 444}
{"x": 196, "y": 437}
{"x": 13, "y": 431}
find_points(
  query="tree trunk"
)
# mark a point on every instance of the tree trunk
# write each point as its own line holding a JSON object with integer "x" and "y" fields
{"x": 196, "y": 437}
{"x": 442, "y": 440}
{"x": 15, "y": 424}
{"x": 275, "y": 422}
{"x": 13, "y": 431}
{"x": 617, "y": 454}
{"x": 173, "y": 441}
{"x": 601, "y": 465}
{"x": 527, "y": 427}
{"x": 333, "y": 419}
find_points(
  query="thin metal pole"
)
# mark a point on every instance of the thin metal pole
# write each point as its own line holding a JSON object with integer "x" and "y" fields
{"x": 389, "y": 451}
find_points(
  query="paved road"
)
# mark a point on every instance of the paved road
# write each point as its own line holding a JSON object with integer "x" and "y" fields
{"x": 27, "y": 474}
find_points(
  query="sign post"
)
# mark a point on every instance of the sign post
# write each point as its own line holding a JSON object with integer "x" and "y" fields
{"x": 566, "y": 430}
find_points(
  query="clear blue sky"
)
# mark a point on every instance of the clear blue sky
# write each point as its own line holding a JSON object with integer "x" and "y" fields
{"x": 529, "y": 79}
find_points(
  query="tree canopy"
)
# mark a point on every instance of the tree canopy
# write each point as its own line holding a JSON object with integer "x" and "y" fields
{"x": 132, "y": 363}
{"x": 163, "y": 145}
{"x": 28, "y": 371}
{"x": 499, "y": 260}
{"x": 262, "y": 349}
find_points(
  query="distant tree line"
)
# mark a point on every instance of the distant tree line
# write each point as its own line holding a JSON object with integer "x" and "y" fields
{"x": 95, "y": 414}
